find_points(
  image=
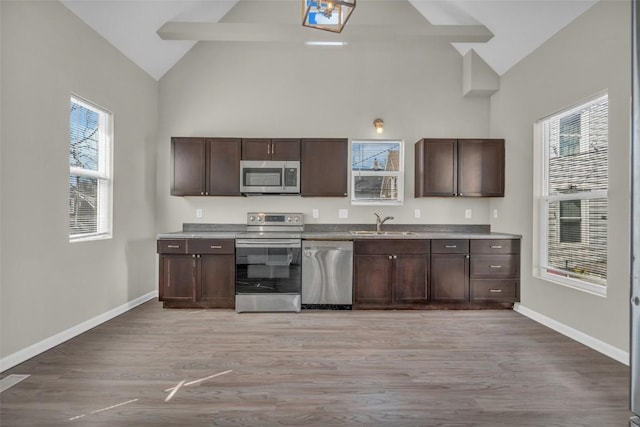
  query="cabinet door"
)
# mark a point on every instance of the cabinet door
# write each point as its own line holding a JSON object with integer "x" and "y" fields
{"x": 217, "y": 281}
{"x": 410, "y": 279}
{"x": 223, "y": 169}
{"x": 435, "y": 168}
{"x": 324, "y": 167}
{"x": 188, "y": 166}
{"x": 481, "y": 167}
{"x": 285, "y": 149}
{"x": 256, "y": 149}
{"x": 177, "y": 278}
{"x": 372, "y": 279}
{"x": 449, "y": 278}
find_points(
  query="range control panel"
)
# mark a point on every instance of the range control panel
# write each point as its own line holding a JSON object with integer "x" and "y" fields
{"x": 278, "y": 218}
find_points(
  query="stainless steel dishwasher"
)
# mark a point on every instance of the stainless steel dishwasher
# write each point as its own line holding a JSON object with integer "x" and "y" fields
{"x": 327, "y": 274}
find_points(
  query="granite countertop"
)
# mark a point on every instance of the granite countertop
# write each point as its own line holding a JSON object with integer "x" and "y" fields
{"x": 342, "y": 232}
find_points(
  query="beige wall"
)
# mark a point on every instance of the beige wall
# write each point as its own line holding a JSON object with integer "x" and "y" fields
{"x": 291, "y": 90}
{"x": 590, "y": 55}
{"x": 49, "y": 285}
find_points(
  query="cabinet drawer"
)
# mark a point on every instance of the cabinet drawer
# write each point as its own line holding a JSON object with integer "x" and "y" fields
{"x": 449, "y": 246}
{"x": 211, "y": 246}
{"x": 502, "y": 290}
{"x": 390, "y": 246}
{"x": 174, "y": 246}
{"x": 490, "y": 266}
{"x": 495, "y": 246}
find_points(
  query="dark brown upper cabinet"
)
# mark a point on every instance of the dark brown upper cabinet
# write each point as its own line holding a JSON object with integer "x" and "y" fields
{"x": 270, "y": 149}
{"x": 459, "y": 167}
{"x": 205, "y": 166}
{"x": 324, "y": 167}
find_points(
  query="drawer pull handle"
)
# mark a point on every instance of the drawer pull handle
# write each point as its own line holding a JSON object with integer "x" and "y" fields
{"x": 495, "y": 266}
{"x": 216, "y": 247}
{"x": 496, "y": 291}
{"x": 496, "y": 246}
{"x": 173, "y": 246}
{"x": 451, "y": 246}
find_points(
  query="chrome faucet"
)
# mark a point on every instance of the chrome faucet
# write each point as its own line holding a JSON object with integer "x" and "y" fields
{"x": 380, "y": 221}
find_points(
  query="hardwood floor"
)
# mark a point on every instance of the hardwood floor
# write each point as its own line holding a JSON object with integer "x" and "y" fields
{"x": 318, "y": 368}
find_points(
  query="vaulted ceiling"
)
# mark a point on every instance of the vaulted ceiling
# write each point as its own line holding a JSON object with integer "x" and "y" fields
{"x": 155, "y": 34}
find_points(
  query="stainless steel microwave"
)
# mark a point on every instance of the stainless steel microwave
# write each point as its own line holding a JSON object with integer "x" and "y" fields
{"x": 269, "y": 176}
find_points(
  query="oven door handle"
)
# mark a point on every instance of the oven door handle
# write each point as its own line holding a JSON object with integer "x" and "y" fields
{"x": 264, "y": 243}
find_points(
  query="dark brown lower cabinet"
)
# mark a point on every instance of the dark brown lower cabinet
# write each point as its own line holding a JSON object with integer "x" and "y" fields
{"x": 217, "y": 281}
{"x": 390, "y": 273}
{"x": 201, "y": 276}
{"x": 177, "y": 278}
{"x": 450, "y": 270}
{"x": 495, "y": 270}
{"x": 449, "y": 277}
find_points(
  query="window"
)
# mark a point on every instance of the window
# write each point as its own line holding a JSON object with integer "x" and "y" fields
{"x": 377, "y": 172}
{"x": 573, "y": 196}
{"x": 90, "y": 149}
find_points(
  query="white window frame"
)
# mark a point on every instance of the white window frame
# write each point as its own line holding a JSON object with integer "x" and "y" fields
{"x": 104, "y": 173}
{"x": 541, "y": 229}
{"x": 399, "y": 201}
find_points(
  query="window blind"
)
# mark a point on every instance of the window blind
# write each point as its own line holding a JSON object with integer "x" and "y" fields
{"x": 574, "y": 200}
{"x": 89, "y": 170}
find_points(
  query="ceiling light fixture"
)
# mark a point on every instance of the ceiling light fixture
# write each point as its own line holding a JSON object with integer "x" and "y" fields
{"x": 379, "y": 125}
{"x": 328, "y": 15}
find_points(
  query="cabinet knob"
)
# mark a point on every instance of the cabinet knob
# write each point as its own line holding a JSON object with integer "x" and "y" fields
{"x": 390, "y": 257}
{"x": 395, "y": 257}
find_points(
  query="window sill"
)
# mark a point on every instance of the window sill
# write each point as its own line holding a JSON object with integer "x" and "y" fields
{"x": 89, "y": 238}
{"x": 590, "y": 288}
{"x": 377, "y": 202}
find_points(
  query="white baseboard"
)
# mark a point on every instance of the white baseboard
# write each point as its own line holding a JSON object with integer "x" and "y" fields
{"x": 600, "y": 346}
{"x": 48, "y": 343}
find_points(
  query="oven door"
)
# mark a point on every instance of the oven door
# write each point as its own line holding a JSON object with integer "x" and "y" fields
{"x": 268, "y": 274}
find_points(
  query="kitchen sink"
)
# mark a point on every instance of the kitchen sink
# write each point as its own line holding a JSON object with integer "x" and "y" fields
{"x": 381, "y": 233}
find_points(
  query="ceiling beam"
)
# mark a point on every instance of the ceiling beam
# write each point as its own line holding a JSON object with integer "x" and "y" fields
{"x": 251, "y": 32}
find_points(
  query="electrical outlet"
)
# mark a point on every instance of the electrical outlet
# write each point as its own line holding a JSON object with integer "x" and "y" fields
{"x": 467, "y": 213}
{"x": 198, "y": 213}
{"x": 416, "y": 213}
{"x": 495, "y": 213}
{"x": 343, "y": 213}
{"x": 315, "y": 213}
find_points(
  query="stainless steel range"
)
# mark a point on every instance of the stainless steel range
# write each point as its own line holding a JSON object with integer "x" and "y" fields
{"x": 268, "y": 263}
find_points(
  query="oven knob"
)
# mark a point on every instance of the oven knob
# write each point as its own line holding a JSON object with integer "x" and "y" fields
{"x": 288, "y": 219}
{"x": 252, "y": 218}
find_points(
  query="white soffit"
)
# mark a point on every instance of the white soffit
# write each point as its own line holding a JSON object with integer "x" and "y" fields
{"x": 130, "y": 26}
{"x": 519, "y": 26}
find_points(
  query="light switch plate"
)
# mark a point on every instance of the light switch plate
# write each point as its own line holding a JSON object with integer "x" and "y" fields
{"x": 467, "y": 213}
{"x": 198, "y": 213}
{"x": 315, "y": 213}
{"x": 416, "y": 213}
{"x": 343, "y": 213}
